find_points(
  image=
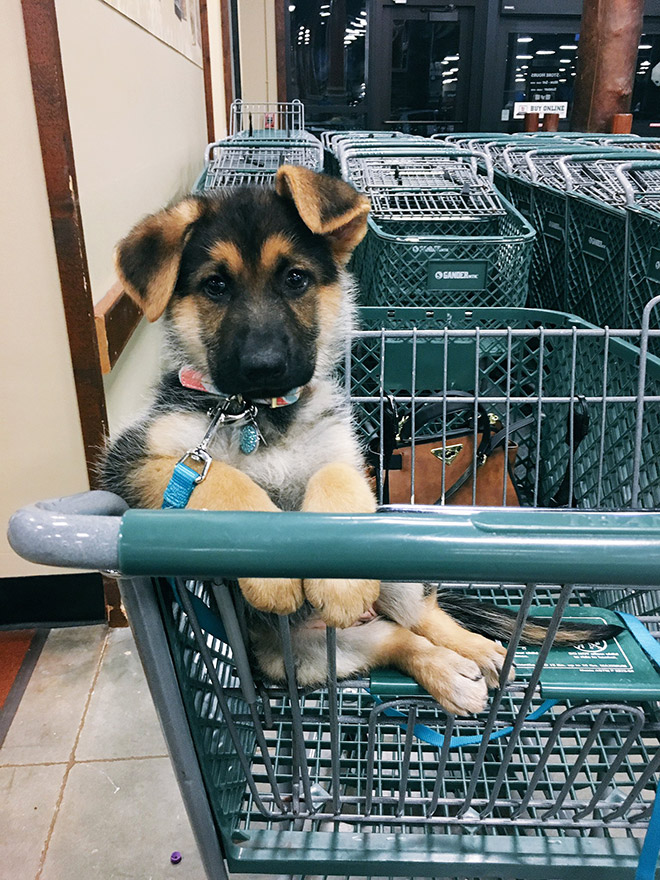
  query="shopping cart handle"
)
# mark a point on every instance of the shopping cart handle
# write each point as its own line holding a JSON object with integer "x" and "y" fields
{"x": 79, "y": 531}
{"x": 426, "y": 543}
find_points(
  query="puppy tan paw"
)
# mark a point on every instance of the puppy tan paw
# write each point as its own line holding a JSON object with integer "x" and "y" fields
{"x": 276, "y": 595}
{"x": 340, "y": 602}
{"x": 489, "y": 657}
{"x": 456, "y": 682}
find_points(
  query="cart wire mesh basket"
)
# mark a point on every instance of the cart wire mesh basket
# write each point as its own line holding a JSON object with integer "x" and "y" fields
{"x": 266, "y": 120}
{"x": 369, "y": 776}
{"x": 230, "y": 164}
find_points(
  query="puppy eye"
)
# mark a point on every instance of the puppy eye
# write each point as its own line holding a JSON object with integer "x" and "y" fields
{"x": 215, "y": 287}
{"x": 296, "y": 280}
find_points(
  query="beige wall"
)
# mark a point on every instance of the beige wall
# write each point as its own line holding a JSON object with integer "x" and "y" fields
{"x": 256, "y": 26}
{"x": 138, "y": 125}
{"x": 40, "y": 443}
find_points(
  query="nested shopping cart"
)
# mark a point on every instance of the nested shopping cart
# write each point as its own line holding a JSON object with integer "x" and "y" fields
{"x": 536, "y": 185}
{"x": 370, "y": 776}
{"x": 439, "y": 233}
{"x": 641, "y": 184}
{"x": 335, "y": 142}
{"x": 231, "y": 163}
{"x": 597, "y": 235}
{"x": 266, "y": 120}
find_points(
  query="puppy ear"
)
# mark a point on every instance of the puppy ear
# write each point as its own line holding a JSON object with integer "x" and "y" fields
{"x": 148, "y": 259}
{"x": 327, "y": 205}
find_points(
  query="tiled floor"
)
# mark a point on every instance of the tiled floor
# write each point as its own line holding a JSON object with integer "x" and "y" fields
{"x": 86, "y": 787}
{"x": 87, "y": 791}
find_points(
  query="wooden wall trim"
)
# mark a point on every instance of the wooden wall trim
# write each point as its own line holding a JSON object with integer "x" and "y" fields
{"x": 280, "y": 48}
{"x": 227, "y": 57}
{"x": 47, "y": 76}
{"x": 116, "y": 316}
{"x": 206, "y": 66}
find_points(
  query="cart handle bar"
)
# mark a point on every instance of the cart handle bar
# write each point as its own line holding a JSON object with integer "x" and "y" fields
{"x": 427, "y": 543}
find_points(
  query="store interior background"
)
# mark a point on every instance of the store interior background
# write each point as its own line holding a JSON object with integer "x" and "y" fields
{"x": 140, "y": 114}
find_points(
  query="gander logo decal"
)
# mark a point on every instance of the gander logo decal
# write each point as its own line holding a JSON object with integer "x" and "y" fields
{"x": 653, "y": 268}
{"x": 596, "y": 243}
{"x": 457, "y": 274}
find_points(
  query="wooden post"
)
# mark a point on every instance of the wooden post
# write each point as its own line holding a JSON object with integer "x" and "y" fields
{"x": 551, "y": 122}
{"x": 622, "y": 123}
{"x": 607, "y": 57}
{"x": 531, "y": 122}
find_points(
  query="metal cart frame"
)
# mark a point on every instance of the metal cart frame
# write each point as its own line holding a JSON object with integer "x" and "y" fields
{"x": 370, "y": 776}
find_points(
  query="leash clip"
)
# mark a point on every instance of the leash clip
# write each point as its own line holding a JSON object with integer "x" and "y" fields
{"x": 201, "y": 456}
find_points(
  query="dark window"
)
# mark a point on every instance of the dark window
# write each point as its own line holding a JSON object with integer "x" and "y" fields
{"x": 327, "y": 59}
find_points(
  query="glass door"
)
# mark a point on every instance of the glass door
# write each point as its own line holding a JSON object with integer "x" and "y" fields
{"x": 420, "y": 72}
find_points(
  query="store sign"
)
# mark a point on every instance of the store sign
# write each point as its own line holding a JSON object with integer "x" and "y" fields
{"x": 653, "y": 268}
{"x": 596, "y": 243}
{"x": 457, "y": 274}
{"x": 540, "y": 107}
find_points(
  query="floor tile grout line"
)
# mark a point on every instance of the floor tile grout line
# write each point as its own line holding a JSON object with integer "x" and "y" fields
{"x": 72, "y": 757}
{"x": 76, "y": 761}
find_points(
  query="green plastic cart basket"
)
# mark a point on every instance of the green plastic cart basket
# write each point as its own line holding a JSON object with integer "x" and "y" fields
{"x": 370, "y": 776}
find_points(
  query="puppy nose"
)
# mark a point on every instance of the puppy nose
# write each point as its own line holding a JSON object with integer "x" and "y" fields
{"x": 264, "y": 362}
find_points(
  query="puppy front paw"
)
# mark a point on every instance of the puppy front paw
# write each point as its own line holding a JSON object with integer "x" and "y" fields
{"x": 340, "y": 601}
{"x": 489, "y": 657}
{"x": 454, "y": 681}
{"x": 275, "y": 595}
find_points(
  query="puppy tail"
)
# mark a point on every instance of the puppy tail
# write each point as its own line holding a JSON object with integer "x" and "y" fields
{"x": 495, "y": 622}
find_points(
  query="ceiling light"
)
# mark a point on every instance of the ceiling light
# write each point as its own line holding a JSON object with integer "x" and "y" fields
{"x": 523, "y": 57}
{"x": 565, "y": 60}
{"x": 569, "y": 46}
{"x": 524, "y": 67}
{"x": 545, "y": 52}
{"x": 292, "y": 8}
{"x": 645, "y": 46}
{"x": 562, "y": 80}
{"x": 451, "y": 57}
{"x": 525, "y": 39}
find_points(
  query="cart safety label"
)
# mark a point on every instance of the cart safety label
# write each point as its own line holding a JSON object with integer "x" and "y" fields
{"x": 596, "y": 243}
{"x": 554, "y": 226}
{"x": 457, "y": 274}
{"x": 653, "y": 268}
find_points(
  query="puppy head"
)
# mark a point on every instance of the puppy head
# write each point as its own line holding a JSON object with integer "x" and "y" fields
{"x": 252, "y": 280}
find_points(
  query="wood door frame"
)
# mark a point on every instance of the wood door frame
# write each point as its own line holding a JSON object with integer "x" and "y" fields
{"x": 45, "y": 61}
{"x": 52, "y": 115}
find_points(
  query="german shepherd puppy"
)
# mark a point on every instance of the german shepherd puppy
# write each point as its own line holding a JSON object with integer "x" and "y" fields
{"x": 256, "y": 300}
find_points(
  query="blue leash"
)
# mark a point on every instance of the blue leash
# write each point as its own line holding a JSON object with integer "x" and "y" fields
{"x": 427, "y": 734}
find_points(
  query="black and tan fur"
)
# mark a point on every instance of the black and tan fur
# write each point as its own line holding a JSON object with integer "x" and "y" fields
{"x": 253, "y": 291}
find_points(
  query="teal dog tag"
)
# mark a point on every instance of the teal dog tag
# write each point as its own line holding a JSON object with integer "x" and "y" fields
{"x": 249, "y": 439}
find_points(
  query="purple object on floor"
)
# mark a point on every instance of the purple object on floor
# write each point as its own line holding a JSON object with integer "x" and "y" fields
{"x": 176, "y": 857}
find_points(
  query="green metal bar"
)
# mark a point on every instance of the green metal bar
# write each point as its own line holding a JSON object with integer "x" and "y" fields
{"x": 520, "y": 545}
{"x": 433, "y": 855}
